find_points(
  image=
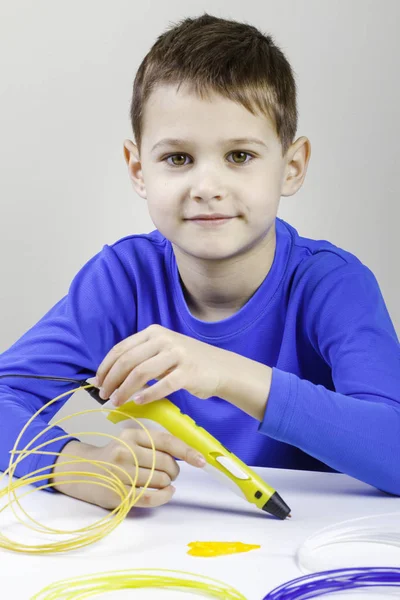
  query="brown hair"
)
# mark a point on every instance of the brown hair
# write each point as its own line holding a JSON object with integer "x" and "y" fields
{"x": 228, "y": 57}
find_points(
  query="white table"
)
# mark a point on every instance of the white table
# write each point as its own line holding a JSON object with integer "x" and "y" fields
{"x": 201, "y": 509}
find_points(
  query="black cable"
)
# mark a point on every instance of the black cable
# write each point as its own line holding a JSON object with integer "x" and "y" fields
{"x": 93, "y": 391}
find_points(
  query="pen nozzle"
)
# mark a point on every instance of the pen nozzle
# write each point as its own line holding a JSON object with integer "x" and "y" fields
{"x": 277, "y": 507}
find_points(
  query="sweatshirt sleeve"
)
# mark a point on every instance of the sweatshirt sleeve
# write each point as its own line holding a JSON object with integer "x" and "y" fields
{"x": 70, "y": 341}
{"x": 356, "y": 428}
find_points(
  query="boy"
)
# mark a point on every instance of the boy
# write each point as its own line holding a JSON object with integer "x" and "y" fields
{"x": 280, "y": 346}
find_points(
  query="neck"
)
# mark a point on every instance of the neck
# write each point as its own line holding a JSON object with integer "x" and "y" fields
{"x": 214, "y": 290}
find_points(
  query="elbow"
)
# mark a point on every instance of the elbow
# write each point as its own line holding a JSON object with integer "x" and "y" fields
{"x": 389, "y": 482}
{"x": 395, "y": 491}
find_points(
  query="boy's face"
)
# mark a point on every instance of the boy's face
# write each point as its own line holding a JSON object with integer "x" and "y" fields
{"x": 207, "y": 174}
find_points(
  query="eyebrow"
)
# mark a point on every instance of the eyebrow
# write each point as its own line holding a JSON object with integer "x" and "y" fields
{"x": 179, "y": 142}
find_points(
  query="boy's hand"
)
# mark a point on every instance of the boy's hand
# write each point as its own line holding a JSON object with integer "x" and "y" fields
{"x": 176, "y": 360}
{"x": 166, "y": 467}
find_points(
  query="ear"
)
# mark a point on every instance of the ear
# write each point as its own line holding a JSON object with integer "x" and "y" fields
{"x": 298, "y": 156}
{"x": 132, "y": 159}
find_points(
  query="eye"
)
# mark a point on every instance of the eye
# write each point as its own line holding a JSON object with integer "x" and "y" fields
{"x": 181, "y": 155}
{"x": 245, "y": 154}
{"x": 173, "y": 156}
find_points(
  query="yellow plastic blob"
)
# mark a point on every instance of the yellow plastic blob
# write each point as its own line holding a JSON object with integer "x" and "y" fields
{"x": 219, "y": 548}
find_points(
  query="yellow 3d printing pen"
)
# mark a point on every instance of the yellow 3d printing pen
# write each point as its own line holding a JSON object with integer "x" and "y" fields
{"x": 220, "y": 461}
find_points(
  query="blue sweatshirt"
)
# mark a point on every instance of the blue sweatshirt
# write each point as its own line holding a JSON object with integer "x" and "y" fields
{"x": 318, "y": 319}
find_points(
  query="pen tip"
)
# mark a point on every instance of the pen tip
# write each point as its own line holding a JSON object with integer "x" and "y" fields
{"x": 290, "y": 516}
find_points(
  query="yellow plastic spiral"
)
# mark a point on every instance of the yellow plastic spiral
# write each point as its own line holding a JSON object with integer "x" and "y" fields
{"x": 111, "y": 481}
{"x": 93, "y": 585}
{"x": 90, "y": 585}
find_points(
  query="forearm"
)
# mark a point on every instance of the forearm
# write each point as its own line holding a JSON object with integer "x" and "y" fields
{"x": 245, "y": 383}
{"x": 358, "y": 436}
{"x": 16, "y": 413}
{"x": 62, "y": 482}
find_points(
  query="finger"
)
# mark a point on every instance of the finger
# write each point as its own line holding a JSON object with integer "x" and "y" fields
{"x": 150, "y": 367}
{"x": 168, "y": 443}
{"x": 149, "y": 499}
{"x": 128, "y": 366}
{"x": 141, "y": 442}
{"x": 126, "y": 472}
{"x": 116, "y": 352}
{"x": 166, "y": 468}
{"x": 157, "y": 498}
{"x": 159, "y": 479}
{"x": 164, "y": 463}
{"x": 156, "y": 391}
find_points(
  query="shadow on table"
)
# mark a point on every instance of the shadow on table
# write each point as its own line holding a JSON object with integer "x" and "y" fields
{"x": 177, "y": 505}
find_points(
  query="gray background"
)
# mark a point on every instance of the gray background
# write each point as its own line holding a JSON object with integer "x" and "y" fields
{"x": 66, "y": 74}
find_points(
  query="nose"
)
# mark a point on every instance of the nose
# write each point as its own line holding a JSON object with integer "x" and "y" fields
{"x": 207, "y": 188}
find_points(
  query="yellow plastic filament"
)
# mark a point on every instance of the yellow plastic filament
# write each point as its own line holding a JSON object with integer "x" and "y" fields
{"x": 78, "y": 537}
{"x": 93, "y": 585}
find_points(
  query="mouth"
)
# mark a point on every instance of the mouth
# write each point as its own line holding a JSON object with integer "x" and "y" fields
{"x": 211, "y": 222}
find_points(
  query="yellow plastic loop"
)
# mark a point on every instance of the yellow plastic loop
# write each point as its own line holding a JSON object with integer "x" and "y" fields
{"x": 92, "y": 585}
{"x": 110, "y": 480}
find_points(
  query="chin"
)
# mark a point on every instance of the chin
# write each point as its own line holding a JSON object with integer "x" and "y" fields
{"x": 210, "y": 251}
